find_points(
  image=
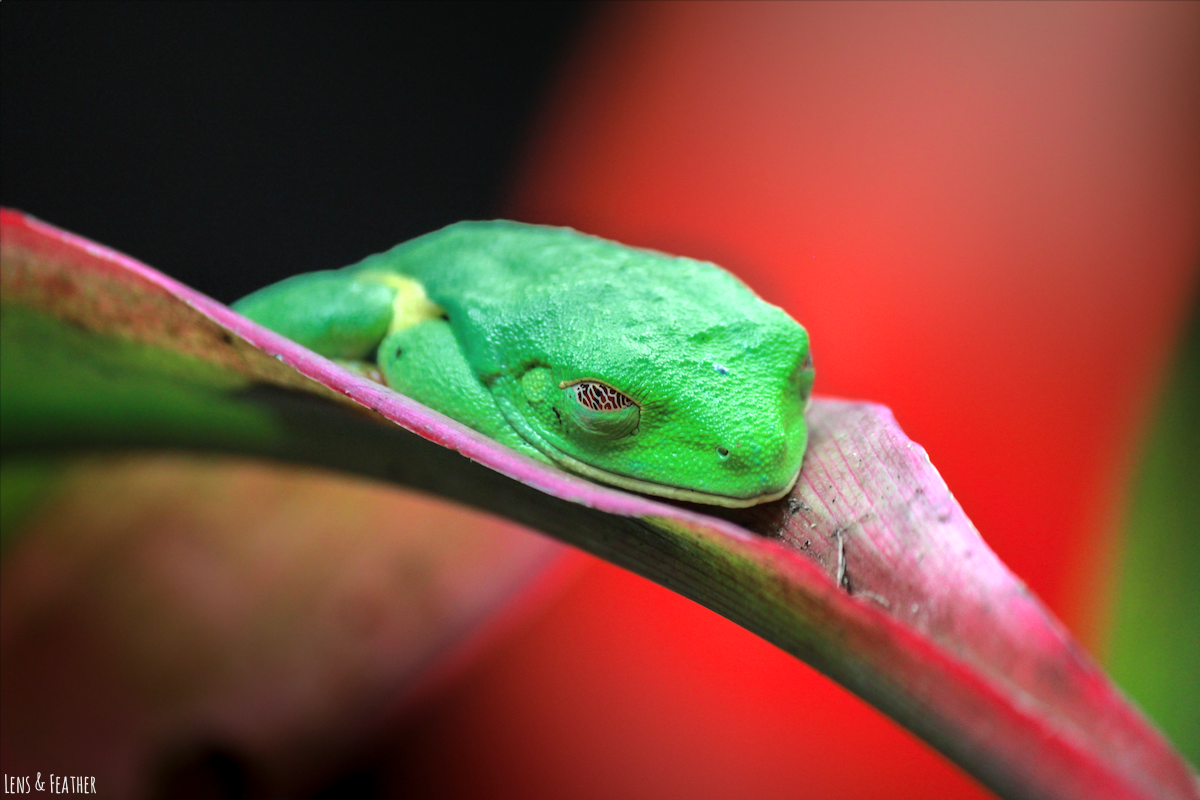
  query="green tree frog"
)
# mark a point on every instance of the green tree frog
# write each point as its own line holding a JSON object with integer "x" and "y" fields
{"x": 654, "y": 373}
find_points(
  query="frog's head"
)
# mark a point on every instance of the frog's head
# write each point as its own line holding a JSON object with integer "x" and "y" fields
{"x": 670, "y": 378}
{"x": 718, "y": 425}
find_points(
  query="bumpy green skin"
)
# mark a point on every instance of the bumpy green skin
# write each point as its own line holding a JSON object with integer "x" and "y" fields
{"x": 719, "y": 377}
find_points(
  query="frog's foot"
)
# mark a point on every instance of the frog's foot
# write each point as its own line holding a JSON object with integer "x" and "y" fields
{"x": 367, "y": 369}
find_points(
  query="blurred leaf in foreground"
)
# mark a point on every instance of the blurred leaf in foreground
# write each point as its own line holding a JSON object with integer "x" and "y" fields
{"x": 162, "y": 607}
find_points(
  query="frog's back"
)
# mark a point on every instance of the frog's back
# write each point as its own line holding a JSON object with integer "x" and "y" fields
{"x": 517, "y": 294}
{"x": 500, "y": 261}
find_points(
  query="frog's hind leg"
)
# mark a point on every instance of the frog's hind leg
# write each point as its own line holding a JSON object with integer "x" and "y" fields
{"x": 340, "y": 314}
{"x": 351, "y": 316}
{"x": 425, "y": 362}
{"x": 332, "y": 313}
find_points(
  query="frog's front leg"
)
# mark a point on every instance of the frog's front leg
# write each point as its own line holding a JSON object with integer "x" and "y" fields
{"x": 425, "y": 362}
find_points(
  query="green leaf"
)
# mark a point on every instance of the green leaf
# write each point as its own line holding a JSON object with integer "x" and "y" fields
{"x": 1154, "y": 651}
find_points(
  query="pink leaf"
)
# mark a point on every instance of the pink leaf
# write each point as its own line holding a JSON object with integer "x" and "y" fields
{"x": 870, "y": 571}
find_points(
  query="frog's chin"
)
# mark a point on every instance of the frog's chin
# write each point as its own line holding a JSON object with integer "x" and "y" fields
{"x": 666, "y": 490}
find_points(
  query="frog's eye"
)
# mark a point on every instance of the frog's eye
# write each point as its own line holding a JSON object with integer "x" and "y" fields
{"x": 600, "y": 396}
{"x": 599, "y": 409}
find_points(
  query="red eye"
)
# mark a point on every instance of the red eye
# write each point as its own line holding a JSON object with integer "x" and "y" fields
{"x": 600, "y": 396}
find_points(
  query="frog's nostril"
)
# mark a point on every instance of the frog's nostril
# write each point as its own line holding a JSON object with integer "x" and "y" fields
{"x": 723, "y": 452}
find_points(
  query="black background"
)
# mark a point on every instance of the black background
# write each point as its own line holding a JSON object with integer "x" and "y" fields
{"x": 230, "y": 145}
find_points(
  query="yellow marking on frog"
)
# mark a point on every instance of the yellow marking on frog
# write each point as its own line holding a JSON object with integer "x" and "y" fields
{"x": 411, "y": 305}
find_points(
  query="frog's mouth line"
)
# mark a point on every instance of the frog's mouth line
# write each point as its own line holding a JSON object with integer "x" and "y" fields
{"x": 572, "y": 464}
{"x": 666, "y": 490}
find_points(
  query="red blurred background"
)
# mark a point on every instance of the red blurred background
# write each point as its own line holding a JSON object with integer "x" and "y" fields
{"x": 987, "y": 215}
